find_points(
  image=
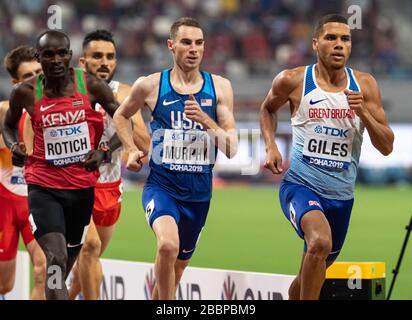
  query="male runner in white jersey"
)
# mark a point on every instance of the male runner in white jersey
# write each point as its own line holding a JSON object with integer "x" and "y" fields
{"x": 99, "y": 59}
{"x": 21, "y": 63}
{"x": 185, "y": 102}
{"x": 330, "y": 107}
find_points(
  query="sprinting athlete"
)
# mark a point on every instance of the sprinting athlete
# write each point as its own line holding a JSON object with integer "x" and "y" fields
{"x": 61, "y": 173}
{"x": 192, "y": 115}
{"x": 330, "y": 105}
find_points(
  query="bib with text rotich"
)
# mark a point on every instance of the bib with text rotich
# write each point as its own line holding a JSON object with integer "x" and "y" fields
{"x": 328, "y": 147}
{"x": 65, "y": 145}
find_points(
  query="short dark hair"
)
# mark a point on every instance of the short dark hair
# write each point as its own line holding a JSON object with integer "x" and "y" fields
{"x": 54, "y": 33}
{"x": 185, "y": 21}
{"x": 326, "y": 19}
{"x": 100, "y": 34}
{"x": 15, "y": 57}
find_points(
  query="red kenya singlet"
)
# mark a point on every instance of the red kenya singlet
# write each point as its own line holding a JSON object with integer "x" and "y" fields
{"x": 65, "y": 130}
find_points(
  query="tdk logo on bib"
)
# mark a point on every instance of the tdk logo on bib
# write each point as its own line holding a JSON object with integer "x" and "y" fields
{"x": 63, "y": 132}
{"x": 334, "y": 132}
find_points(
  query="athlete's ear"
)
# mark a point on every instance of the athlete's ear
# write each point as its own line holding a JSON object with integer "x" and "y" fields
{"x": 14, "y": 81}
{"x": 314, "y": 44}
{"x": 170, "y": 44}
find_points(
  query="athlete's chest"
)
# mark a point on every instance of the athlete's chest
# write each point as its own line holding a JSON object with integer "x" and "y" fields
{"x": 326, "y": 107}
{"x": 171, "y": 110}
{"x": 60, "y": 111}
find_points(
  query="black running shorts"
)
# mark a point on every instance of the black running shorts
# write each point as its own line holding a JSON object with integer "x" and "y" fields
{"x": 60, "y": 210}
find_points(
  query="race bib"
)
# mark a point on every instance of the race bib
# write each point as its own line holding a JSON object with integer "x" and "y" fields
{"x": 17, "y": 175}
{"x": 328, "y": 147}
{"x": 190, "y": 147}
{"x": 66, "y": 144}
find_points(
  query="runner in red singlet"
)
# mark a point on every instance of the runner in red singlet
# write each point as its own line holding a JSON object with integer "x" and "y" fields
{"x": 61, "y": 173}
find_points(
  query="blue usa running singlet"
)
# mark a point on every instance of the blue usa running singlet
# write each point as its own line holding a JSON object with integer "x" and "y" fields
{"x": 327, "y": 139}
{"x": 182, "y": 155}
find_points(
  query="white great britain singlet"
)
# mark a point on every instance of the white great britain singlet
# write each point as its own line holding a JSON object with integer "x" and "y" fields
{"x": 109, "y": 172}
{"x": 327, "y": 139}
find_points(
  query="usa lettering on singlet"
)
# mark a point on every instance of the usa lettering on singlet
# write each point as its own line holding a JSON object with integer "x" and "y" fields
{"x": 327, "y": 137}
{"x": 182, "y": 155}
{"x": 183, "y": 144}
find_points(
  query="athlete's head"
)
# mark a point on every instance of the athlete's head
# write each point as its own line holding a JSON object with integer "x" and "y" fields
{"x": 332, "y": 41}
{"x": 186, "y": 43}
{"x": 54, "y": 54}
{"x": 99, "y": 54}
{"x": 22, "y": 63}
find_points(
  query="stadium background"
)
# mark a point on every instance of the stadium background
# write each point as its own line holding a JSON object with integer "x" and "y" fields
{"x": 249, "y": 42}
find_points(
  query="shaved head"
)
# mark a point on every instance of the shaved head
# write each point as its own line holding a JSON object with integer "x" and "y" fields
{"x": 51, "y": 37}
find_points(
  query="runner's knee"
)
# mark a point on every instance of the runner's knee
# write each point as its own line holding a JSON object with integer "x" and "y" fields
{"x": 319, "y": 246}
{"x": 168, "y": 248}
{"x": 91, "y": 246}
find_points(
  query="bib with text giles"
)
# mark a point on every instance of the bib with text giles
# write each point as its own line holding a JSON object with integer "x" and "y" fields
{"x": 65, "y": 145}
{"x": 186, "y": 151}
{"x": 328, "y": 147}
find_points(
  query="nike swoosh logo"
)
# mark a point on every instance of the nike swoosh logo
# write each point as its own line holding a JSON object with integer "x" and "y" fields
{"x": 166, "y": 103}
{"x": 311, "y": 102}
{"x": 73, "y": 245}
{"x": 187, "y": 251}
{"x": 44, "y": 108}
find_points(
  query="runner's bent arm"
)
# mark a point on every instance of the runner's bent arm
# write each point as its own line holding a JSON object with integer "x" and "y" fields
{"x": 103, "y": 94}
{"x": 134, "y": 102}
{"x": 140, "y": 135}
{"x": 283, "y": 84}
{"x": 21, "y": 97}
{"x": 223, "y": 133}
{"x": 368, "y": 106}
{"x": 28, "y": 134}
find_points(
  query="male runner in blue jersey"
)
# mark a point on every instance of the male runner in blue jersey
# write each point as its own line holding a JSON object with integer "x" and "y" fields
{"x": 330, "y": 107}
{"x": 185, "y": 102}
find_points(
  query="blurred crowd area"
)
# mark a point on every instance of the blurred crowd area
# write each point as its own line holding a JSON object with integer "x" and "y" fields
{"x": 244, "y": 38}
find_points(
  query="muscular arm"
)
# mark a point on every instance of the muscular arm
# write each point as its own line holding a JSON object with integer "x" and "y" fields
{"x": 28, "y": 134}
{"x": 282, "y": 86}
{"x": 373, "y": 115}
{"x": 132, "y": 104}
{"x": 100, "y": 92}
{"x": 21, "y": 97}
{"x": 141, "y": 137}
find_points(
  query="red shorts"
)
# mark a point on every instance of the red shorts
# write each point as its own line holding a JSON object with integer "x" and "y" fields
{"x": 14, "y": 219}
{"x": 107, "y": 203}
